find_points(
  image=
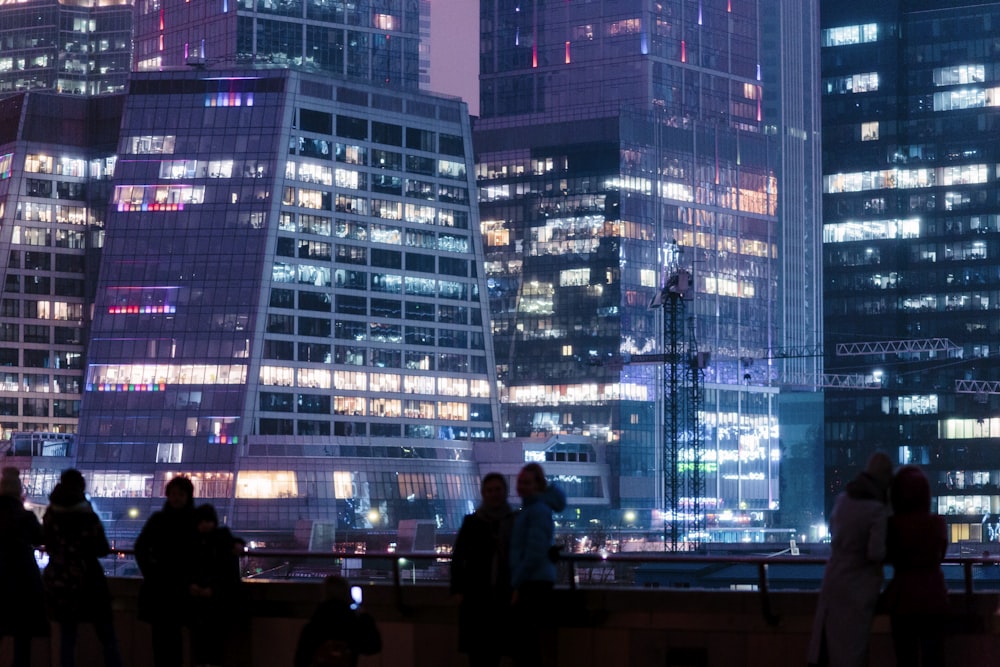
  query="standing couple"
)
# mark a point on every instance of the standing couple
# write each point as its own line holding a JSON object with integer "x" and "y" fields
{"x": 503, "y": 571}
{"x": 864, "y": 536}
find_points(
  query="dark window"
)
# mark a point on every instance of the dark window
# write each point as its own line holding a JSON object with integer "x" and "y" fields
{"x": 387, "y": 259}
{"x": 315, "y": 121}
{"x": 37, "y": 285}
{"x": 314, "y": 326}
{"x": 417, "y": 310}
{"x": 35, "y": 407}
{"x": 351, "y": 254}
{"x": 280, "y": 324}
{"x": 449, "y": 144}
{"x": 314, "y": 301}
{"x": 421, "y": 140}
{"x": 8, "y": 407}
{"x": 286, "y": 247}
{"x": 386, "y": 308}
{"x": 419, "y": 262}
{"x": 275, "y": 402}
{"x": 276, "y": 427}
{"x": 62, "y": 408}
{"x": 34, "y": 333}
{"x": 349, "y": 428}
{"x": 386, "y": 160}
{"x": 352, "y": 128}
{"x": 420, "y": 165}
{"x": 419, "y": 336}
{"x": 317, "y": 352}
{"x": 69, "y": 263}
{"x": 279, "y": 349}
{"x": 282, "y": 298}
{"x": 36, "y": 358}
{"x": 8, "y": 357}
{"x": 12, "y": 285}
{"x": 315, "y": 404}
{"x": 385, "y": 430}
{"x": 68, "y": 287}
{"x": 311, "y": 427}
{"x": 10, "y": 308}
{"x": 352, "y": 305}
{"x": 387, "y": 133}
{"x": 12, "y": 332}
{"x": 386, "y": 358}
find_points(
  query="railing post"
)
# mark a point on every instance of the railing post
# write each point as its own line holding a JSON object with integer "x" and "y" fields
{"x": 765, "y": 598}
{"x": 397, "y": 584}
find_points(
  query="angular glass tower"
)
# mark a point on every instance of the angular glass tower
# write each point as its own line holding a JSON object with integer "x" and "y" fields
{"x": 911, "y": 250}
{"x": 78, "y": 47}
{"x": 619, "y": 144}
{"x": 289, "y": 305}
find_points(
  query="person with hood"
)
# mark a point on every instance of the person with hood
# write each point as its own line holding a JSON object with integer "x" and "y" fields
{"x": 532, "y": 569}
{"x": 20, "y": 533}
{"x": 164, "y": 551}
{"x": 480, "y": 575}
{"x": 917, "y": 597}
{"x": 336, "y": 634}
{"x": 852, "y": 579}
{"x": 76, "y": 590}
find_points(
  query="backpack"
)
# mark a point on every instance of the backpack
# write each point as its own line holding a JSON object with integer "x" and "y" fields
{"x": 334, "y": 653}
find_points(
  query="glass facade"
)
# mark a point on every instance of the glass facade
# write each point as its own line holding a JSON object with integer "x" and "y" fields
{"x": 618, "y": 144}
{"x": 289, "y": 306}
{"x": 77, "y": 47}
{"x": 52, "y": 213}
{"x": 910, "y": 247}
{"x": 373, "y": 40}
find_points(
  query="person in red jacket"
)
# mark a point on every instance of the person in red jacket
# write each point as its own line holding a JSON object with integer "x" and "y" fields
{"x": 917, "y": 597}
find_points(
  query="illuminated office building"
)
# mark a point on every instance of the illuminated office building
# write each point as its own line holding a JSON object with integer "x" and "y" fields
{"x": 371, "y": 40}
{"x": 53, "y": 200}
{"x": 288, "y": 308}
{"x": 911, "y": 246}
{"x": 81, "y": 47}
{"x": 618, "y": 143}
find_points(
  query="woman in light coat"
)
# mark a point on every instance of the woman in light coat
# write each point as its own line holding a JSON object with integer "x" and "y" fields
{"x": 852, "y": 580}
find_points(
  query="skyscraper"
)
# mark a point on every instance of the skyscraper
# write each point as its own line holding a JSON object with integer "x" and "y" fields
{"x": 57, "y": 157}
{"x": 371, "y": 40}
{"x": 619, "y": 144}
{"x": 910, "y": 252}
{"x": 79, "y": 48}
{"x": 289, "y": 309}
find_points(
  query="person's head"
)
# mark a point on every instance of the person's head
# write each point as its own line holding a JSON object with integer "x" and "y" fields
{"x": 206, "y": 518}
{"x": 10, "y": 483}
{"x": 879, "y": 469}
{"x": 493, "y": 490}
{"x": 911, "y": 492}
{"x": 72, "y": 480}
{"x": 180, "y": 493}
{"x": 337, "y": 588}
{"x": 531, "y": 480}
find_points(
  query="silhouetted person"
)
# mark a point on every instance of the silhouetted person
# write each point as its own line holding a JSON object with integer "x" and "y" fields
{"x": 852, "y": 579}
{"x": 22, "y": 613}
{"x": 76, "y": 590}
{"x": 164, "y": 551}
{"x": 480, "y": 575}
{"x": 917, "y": 597}
{"x": 214, "y": 588}
{"x": 532, "y": 569}
{"x": 336, "y": 634}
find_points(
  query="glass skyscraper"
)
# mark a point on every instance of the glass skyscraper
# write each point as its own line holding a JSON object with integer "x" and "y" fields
{"x": 372, "y": 40}
{"x": 619, "y": 143}
{"x": 911, "y": 256}
{"x": 288, "y": 308}
{"x": 77, "y": 47}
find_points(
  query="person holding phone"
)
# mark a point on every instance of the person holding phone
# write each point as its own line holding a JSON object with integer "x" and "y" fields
{"x": 337, "y": 633}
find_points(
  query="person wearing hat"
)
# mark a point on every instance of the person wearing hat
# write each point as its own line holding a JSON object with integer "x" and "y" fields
{"x": 20, "y": 533}
{"x": 852, "y": 580}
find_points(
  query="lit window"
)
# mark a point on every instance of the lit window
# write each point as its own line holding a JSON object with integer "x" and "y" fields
{"x": 869, "y": 131}
{"x": 266, "y": 484}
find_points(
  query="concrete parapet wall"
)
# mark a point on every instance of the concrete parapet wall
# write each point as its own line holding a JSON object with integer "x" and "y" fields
{"x": 599, "y": 627}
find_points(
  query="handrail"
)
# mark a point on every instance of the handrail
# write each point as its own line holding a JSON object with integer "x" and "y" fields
{"x": 760, "y": 562}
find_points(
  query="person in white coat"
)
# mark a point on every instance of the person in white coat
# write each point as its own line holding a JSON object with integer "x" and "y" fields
{"x": 852, "y": 580}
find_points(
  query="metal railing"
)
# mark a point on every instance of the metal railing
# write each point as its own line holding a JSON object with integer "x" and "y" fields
{"x": 763, "y": 575}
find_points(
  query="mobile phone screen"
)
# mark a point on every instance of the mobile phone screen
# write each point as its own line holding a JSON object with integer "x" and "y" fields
{"x": 356, "y": 597}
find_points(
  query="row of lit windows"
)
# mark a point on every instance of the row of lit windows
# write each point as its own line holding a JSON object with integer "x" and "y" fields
{"x": 871, "y": 230}
{"x": 850, "y": 34}
{"x": 956, "y": 429}
{"x": 377, "y": 232}
{"x": 35, "y": 212}
{"x": 967, "y": 98}
{"x": 852, "y": 83}
{"x": 316, "y": 378}
{"x": 375, "y": 407}
{"x": 970, "y": 174}
{"x": 155, "y": 377}
{"x": 157, "y": 197}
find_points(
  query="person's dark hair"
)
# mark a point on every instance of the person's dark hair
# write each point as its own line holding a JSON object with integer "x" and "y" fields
{"x": 493, "y": 477}
{"x": 910, "y": 491}
{"x": 336, "y": 587}
{"x": 181, "y": 483}
{"x": 536, "y": 471}
{"x": 72, "y": 480}
{"x": 206, "y": 512}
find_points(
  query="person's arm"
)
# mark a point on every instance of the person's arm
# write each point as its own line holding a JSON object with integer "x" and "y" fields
{"x": 877, "y": 536}
{"x": 306, "y": 647}
{"x": 458, "y": 564}
{"x": 99, "y": 540}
